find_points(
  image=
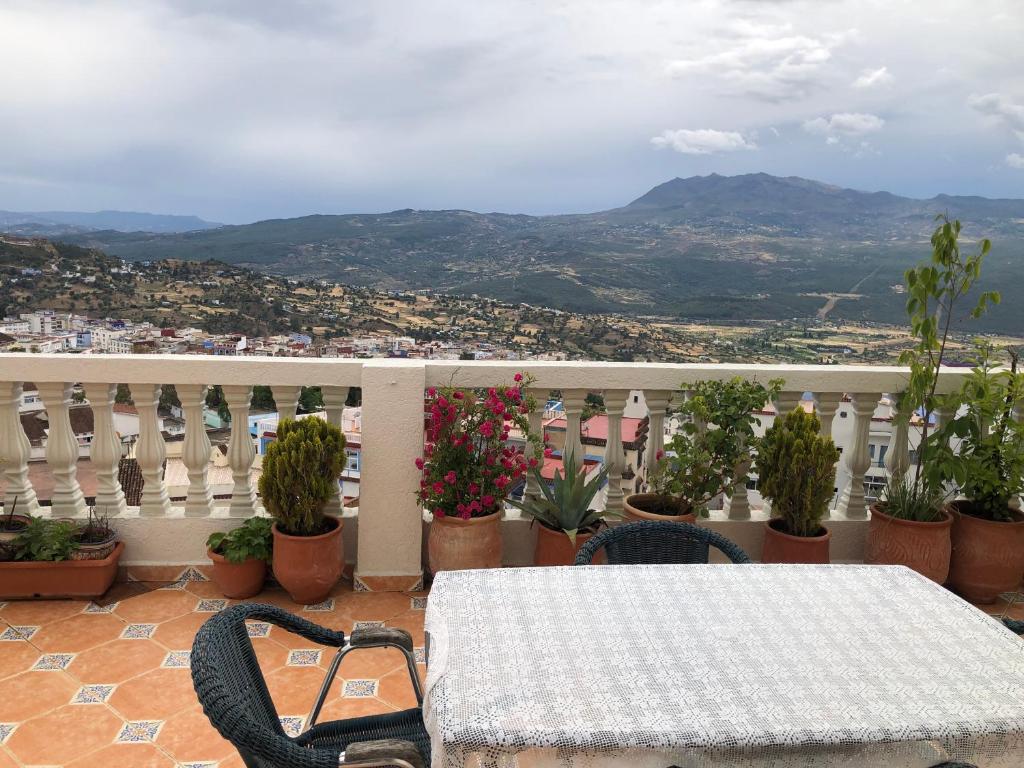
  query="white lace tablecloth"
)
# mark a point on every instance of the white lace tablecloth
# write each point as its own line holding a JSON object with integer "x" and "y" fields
{"x": 717, "y": 665}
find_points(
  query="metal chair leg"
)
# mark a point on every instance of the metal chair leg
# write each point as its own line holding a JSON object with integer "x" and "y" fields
{"x": 332, "y": 672}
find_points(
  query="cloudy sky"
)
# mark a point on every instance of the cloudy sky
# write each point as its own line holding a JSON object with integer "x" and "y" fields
{"x": 237, "y": 110}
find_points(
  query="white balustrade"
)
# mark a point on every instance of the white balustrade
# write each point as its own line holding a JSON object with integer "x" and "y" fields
{"x": 851, "y": 504}
{"x": 62, "y": 450}
{"x": 334, "y": 407}
{"x": 657, "y": 406}
{"x": 573, "y": 401}
{"x": 287, "y": 400}
{"x": 826, "y": 404}
{"x": 105, "y": 450}
{"x": 196, "y": 450}
{"x": 614, "y": 456}
{"x": 241, "y": 450}
{"x": 15, "y": 451}
{"x": 536, "y": 418}
{"x": 150, "y": 451}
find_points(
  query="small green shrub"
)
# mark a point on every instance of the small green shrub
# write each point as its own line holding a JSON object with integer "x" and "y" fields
{"x": 796, "y": 470}
{"x": 45, "y": 540}
{"x": 300, "y": 472}
{"x": 252, "y": 540}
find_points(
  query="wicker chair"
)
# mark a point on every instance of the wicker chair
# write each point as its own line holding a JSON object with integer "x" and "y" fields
{"x": 234, "y": 695}
{"x": 658, "y": 542}
{"x": 1014, "y": 625}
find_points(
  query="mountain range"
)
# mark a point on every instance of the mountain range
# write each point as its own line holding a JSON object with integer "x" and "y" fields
{"x": 51, "y": 223}
{"x": 716, "y": 248}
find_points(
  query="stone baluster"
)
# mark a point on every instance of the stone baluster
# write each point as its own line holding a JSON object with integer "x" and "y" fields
{"x": 614, "y": 456}
{"x": 737, "y": 504}
{"x": 195, "y": 454}
{"x": 657, "y": 406}
{"x": 858, "y": 461}
{"x": 150, "y": 451}
{"x": 536, "y": 417}
{"x": 897, "y": 458}
{"x": 105, "y": 451}
{"x": 15, "y": 451}
{"x": 62, "y": 450}
{"x": 826, "y": 404}
{"x": 334, "y": 405}
{"x": 287, "y": 399}
{"x": 573, "y": 400}
{"x": 241, "y": 451}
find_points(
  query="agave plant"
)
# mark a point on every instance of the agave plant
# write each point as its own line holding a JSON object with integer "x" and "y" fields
{"x": 565, "y": 506}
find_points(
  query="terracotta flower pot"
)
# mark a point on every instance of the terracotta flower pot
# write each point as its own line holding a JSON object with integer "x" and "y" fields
{"x": 66, "y": 578}
{"x": 455, "y": 544}
{"x": 636, "y": 507}
{"x": 94, "y": 550}
{"x": 988, "y": 556}
{"x": 554, "y": 548}
{"x": 924, "y": 547}
{"x": 308, "y": 566}
{"x": 782, "y": 547}
{"x": 18, "y": 522}
{"x": 238, "y": 580}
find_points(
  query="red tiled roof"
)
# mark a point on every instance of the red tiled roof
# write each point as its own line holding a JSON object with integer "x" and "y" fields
{"x": 553, "y": 462}
{"x": 596, "y": 427}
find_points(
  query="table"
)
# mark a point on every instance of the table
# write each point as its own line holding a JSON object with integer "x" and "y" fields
{"x": 717, "y": 665}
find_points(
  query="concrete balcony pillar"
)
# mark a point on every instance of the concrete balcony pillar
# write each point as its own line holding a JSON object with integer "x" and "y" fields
{"x": 151, "y": 452}
{"x": 16, "y": 450}
{"x": 241, "y": 451}
{"x": 614, "y": 456}
{"x": 851, "y": 503}
{"x": 62, "y": 450}
{"x": 390, "y": 537}
{"x": 105, "y": 451}
{"x": 196, "y": 450}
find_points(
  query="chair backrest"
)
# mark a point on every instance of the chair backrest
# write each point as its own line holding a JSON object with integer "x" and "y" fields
{"x": 228, "y": 682}
{"x": 658, "y": 542}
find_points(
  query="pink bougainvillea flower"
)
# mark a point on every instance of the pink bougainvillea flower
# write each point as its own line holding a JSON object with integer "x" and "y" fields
{"x": 450, "y": 478}
{"x": 438, "y": 512}
{"x": 533, "y": 462}
{"x": 501, "y": 481}
{"x": 548, "y": 453}
{"x": 488, "y": 501}
{"x": 518, "y": 377}
{"x": 432, "y": 392}
{"x": 419, "y": 464}
{"x": 659, "y": 455}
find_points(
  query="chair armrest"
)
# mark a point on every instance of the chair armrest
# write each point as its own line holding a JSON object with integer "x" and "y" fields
{"x": 380, "y": 637}
{"x": 281, "y": 618}
{"x": 383, "y": 753}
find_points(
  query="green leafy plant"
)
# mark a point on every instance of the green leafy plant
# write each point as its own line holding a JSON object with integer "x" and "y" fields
{"x": 981, "y": 449}
{"x": 796, "y": 470}
{"x": 45, "y": 540}
{"x": 252, "y": 540}
{"x": 565, "y": 504}
{"x": 935, "y": 290}
{"x": 300, "y": 472}
{"x": 712, "y": 452}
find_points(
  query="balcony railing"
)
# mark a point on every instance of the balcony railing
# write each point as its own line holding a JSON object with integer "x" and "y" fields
{"x": 388, "y": 542}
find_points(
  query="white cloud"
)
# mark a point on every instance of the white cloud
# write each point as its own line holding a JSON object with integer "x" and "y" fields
{"x": 1015, "y": 160}
{"x": 1002, "y": 108}
{"x": 870, "y": 78}
{"x": 768, "y": 62}
{"x": 844, "y": 124}
{"x": 704, "y": 141}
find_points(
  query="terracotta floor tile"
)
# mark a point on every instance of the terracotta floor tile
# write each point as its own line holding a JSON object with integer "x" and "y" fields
{"x": 206, "y": 589}
{"x": 235, "y": 761}
{"x": 396, "y": 689}
{"x": 78, "y": 633}
{"x": 16, "y": 656}
{"x": 6, "y": 761}
{"x": 34, "y": 693}
{"x": 154, "y": 695}
{"x": 375, "y": 606}
{"x": 126, "y": 755}
{"x": 189, "y": 738}
{"x": 40, "y": 612}
{"x": 60, "y": 736}
{"x": 411, "y": 622}
{"x": 178, "y": 634}
{"x": 342, "y": 709}
{"x": 117, "y": 661}
{"x": 293, "y": 689}
{"x": 156, "y": 606}
{"x": 123, "y": 590}
{"x": 271, "y": 655}
{"x": 367, "y": 663}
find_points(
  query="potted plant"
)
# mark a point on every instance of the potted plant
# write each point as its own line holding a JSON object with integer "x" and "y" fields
{"x": 240, "y": 557}
{"x": 709, "y": 455}
{"x": 469, "y": 470}
{"x": 911, "y": 524}
{"x": 796, "y": 468}
{"x": 981, "y": 451}
{"x": 43, "y": 563}
{"x": 11, "y": 524}
{"x": 300, "y": 473}
{"x": 96, "y": 539}
{"x": 566, "y": 520}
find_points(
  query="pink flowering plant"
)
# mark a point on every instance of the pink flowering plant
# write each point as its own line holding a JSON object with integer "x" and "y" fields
{"x": 468, "y": 467}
